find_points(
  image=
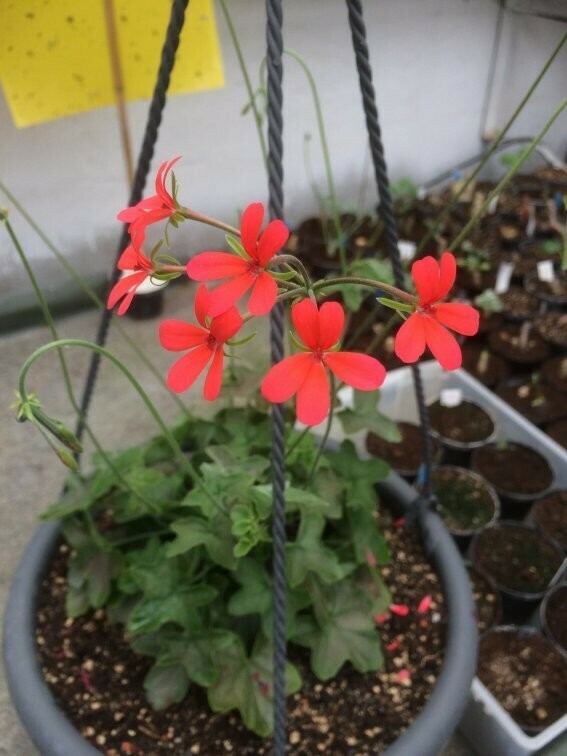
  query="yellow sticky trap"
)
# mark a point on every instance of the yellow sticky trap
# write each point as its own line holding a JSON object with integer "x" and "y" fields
{"x": 55, "y": 59}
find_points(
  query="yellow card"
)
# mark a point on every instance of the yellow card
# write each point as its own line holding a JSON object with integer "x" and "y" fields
{"x": 55, "y": 59}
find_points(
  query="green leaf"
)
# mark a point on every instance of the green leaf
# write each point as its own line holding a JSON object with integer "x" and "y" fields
{"x": 369, "y": 267}
{"x": 214, "y": 534}
{"x": 296, "y": 500}
{"x": 489, "y": 301}
{"x": 366, "y": 416}
{"x": 393, "y": 304}
{"x": 236, "y": 246}
{"x": 343, "y": 630}
{"x": 165, "y": 686}
{"x": 366, "y": 536}
{"x": 307, "y": 554}
{"x": 179, "y": 607}
{"x": 196, "y": 653}
{"x": 90, "y": 575}
{"x": 360, "y": 475}
{"x": 245, "y": 683}
{"x": 328, "y": 486}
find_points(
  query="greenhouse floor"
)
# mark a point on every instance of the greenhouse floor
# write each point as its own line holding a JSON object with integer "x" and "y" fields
{"x": 31, "y": 475}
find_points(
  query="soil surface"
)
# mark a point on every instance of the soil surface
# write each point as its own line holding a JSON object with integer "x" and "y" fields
{"x": 558, "y": 432}
{"x": 465, "y": 423}
{"x": 507, "y": 342}
{"x": 97, "y": 679}
{"x": 552, "y": 327}
{"x": 554, "y": 373}
{"x": 550, "y": 514}
{"x": 486, "y": 367}
{"x": 487, "y": 599}
{"x": 518, "y": 304}
{"x": 514, "y": 469}
{"x": 463, "y": 499}
{"x": 526, "y": 675}
{"x": 537, "y": 402}
{"x": 556, "y": 616}
{"x": 518, "y": 558}
{"x": 406, "y": 456}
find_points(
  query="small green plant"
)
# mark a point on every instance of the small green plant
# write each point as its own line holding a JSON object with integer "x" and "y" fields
{"x": 488, "y": 301}
{"x": 475, "y": 259}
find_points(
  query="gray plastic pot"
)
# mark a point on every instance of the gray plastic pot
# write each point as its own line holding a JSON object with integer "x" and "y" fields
{"x": 54, "y": 735}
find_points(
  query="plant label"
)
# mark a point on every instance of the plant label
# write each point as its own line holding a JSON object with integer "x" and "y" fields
{"x": 450, "y": 397}
{"x": 545, "y": 271}
{"x": 407, "y": 249}
{"x": 503, "y": 277}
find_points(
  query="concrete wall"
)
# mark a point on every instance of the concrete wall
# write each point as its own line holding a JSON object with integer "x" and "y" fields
{"x": 431, "y": 63}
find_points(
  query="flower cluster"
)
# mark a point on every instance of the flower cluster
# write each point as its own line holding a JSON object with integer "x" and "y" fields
{"x": 253, "y": 268}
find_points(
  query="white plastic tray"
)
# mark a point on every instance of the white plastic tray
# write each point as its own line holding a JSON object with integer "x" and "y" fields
{"x": 488, "y": 727}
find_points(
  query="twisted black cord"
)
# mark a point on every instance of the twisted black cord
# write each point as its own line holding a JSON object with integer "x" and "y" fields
{"x": 157, "y": 106}
{"x": 360, "y": 45}
{"x": 275, "y": 185}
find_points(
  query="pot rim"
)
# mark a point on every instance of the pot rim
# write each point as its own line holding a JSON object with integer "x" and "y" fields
{"x": 503, "y": 493}
{"x": 465, "y": 446}
{"x": 486, "y": 485}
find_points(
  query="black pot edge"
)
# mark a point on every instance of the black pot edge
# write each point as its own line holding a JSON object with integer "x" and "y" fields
{"x": 54, "y": 735}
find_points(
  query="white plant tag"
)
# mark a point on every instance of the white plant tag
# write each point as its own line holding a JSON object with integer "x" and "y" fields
{"x": 503, "y": 277}
{"x": 545, "y": 271}
{"x": 493, "y": 204}
{"x": 531, "y": 226}
{"x": 407, "y": 249}
{"x": 450, "y": 397}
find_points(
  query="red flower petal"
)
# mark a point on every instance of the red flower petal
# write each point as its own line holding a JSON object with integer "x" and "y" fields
{"x": 263, "y": 296}
{"x": 447, "y": 274}
{"x": 201, "y": 305}
{"x": 228, "y": 293}
{"x": 410, "y": 339}
{"x": 125, "y": 286}
{"x": 371, "y": 559}
{"x": 213, "y": 381}
{"x": 424, "y": 604}
{"x": 128, "y": 259}
{"x": 225, "y": 326}
{"x": 399, "y": 523}
{"x": 272, "y": 240}
{"x": 305, "y": 318}
{"x": 442, "y": 343}
{"x": 461, "y": 318}
{"x": 360, "y": 371}
{"x": 161, "y": 178}
{"x": 250, "y": 224}
{"x": 425, "y": 274}
{"x": 331, "y": 324}
{"x": 393, "y": 645}
{"x": 187, "y": 369}
{"x": 379, "y": 619}
{"x": 284, "y": 379}
{"x": 177, "y": 335}
{"x": 400, "y": 609}
{"x": 314, "y": 396}
{"x": 403, "y": 675}
{"x": 210, "y": 266}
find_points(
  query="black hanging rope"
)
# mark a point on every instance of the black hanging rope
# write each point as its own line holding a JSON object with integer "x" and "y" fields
{"x": 360, "y": 45}
{"x": 171, "y": 43}
{"x": 276, "y": 206}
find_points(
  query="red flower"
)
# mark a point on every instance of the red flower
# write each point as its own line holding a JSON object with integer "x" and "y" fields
{"x": 205, "y": 343}
{"x": 152, "y": 209}
{"x": 304, "y": 374}
{"x": 243, "y": 274}
{"x": 131, "y": 259}
{"x": 426, "y": 326}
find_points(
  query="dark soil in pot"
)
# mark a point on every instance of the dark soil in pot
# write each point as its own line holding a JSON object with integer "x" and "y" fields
{"x": 489, "y": 321}
{"x": 553, "y": 615}
{"x": 467, "y": 423}
{"x": 486, "y": 367}
{"x": 550, "y": 514}
{"x": 97, "y": 679}
{"x": 553, "y": 292}
{"x": 522, "y": 347}
{"x": 537, "y": 402}
{"x": 465, "y": 501}
{"x": 518, "y": 304}
{"x": 520, "y": 559}
{"x": 554, "y": 373}
{"x": 525, "y": 674}
{"x": 558, "y": 432}
{"x": 406, "y": 456}
{"x": 552, "y": 327}
{"x": 486, "y": 597}
{"x": 518, "y": 473}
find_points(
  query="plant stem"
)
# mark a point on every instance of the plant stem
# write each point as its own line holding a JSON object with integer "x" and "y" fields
{"x": 327, "y": 431}
{"x": 247, "y": 82}
{"x": 326, "y": 157}
{"x": 91, "y": 294}
{"x": 507, "y": 178}
{"x": 297, "y": 441}
{"x": 449, "y": 207}
{"x": 370, "y": 283}
{"x": 168, "y": 435}
{"x": 191, "y": 214}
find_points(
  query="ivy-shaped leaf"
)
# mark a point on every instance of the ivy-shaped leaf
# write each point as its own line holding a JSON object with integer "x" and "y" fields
{"x": 197, "y": 653}
{"x": 366, "y": 536}
{"x": 365, "y": 416}
{"x": 179, "y": 607}
{"x": 90, "y": 575}
{"x": 214, "y": 534}
{"x": 342, "y": 630}
{"x": 165, "y": 686}
{"x": 360, "y": 475}
{"x": 245, "y": 683}
{"x": 307, "y": 554}
{"x": 248, "y": 527}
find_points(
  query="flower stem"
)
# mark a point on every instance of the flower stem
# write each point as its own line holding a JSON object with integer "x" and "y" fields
{"x": 449, "y": 207}
{"x": 370, "y": 283}
{"x": 247, "y": 82}
{"x": 168, "y": 435}
{"x": 190, "y": 214}
{"x": 507, "y": 178}
{"x": 297, "y": 441}
{"x": 91, "y": 294}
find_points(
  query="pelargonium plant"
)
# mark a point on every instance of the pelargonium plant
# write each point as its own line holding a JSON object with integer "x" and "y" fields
{"x": 172, "y": 538}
